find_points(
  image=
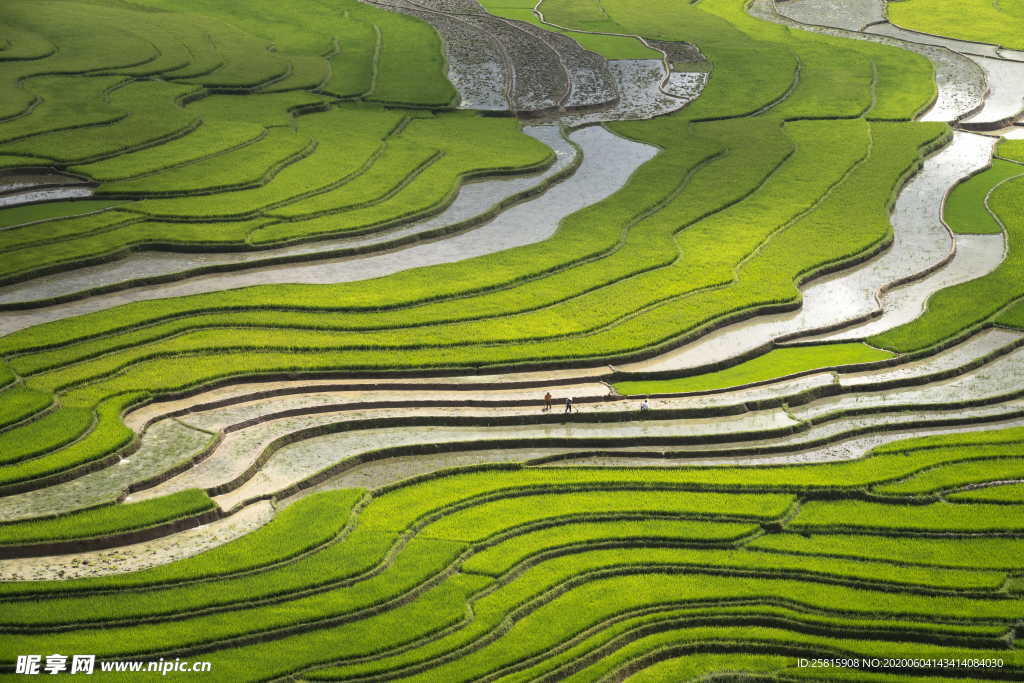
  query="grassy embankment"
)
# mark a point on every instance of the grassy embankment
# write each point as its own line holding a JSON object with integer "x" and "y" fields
{"x": 981, "y": 21}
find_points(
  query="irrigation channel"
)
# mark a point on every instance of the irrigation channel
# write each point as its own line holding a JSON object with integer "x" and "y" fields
{"x": 257, "y": 447}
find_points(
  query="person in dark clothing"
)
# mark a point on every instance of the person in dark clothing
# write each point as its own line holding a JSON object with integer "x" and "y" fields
{"x": 568, "y": 405}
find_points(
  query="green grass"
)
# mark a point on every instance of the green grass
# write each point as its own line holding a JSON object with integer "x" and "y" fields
{"x": 307, "y": 73}
{"x": 982, "y": 21}
{"x": 1006, "y": 493}
{"x": 939, "y": 516}
{"x": 266, "y": 109}
{"x": 354, "y": 556}
{"x": 148, "y": 113}
{"x": 352, "y": 70}
{"x": 573, "y": 575}
{"x": 71, "y": 256}
{"x": 67, "y": 102}
{"x": 772, "y": 365}
{"x": 19, "y": 403}
{"x": 211, "y": 138}
{"x": 582, "y": 16}
{"x": 409, "y": 505}
{"x": 1012, "y": 316}
{"x": 417, "y": 174}
{"x": 693, "y": 667}
{"x": 966, "y": 553}
{"x": 105, "y": 47}
{"x": 966, "y": 209}
{"x": 843, "y": 89}
{"x": 597, "y": 598}
{"x": 7, "y": 377}
{"x": 106, "y": 437}
{"x": 422, "y": 560}
{"x": 345, "y": 140}
{"x": 50, "y": 432}
{"x": 498, "y": 558}
{"x": 398, "y": 162}
{"x": 969, "y": 443}
{"x": 19, "y": 163}
{"x": 410, "y": 67}
{"x": 812, "y": 567}
{"x": 30, "y": 213}
{"x": 955, "y": 474}
{"x": 436, "y": 609}
{"x": 491, "y": 518}
{"x": 1011, "y": 149}
{"x": 19, "y": 241}
{"x": 299, "y": 528}
{"x": 624, "y": 627}
{"x": 106, "y": 520}
{"x": 692, "y": 648}
{"x": 247, "y": 61}
{"x": 18, "y": 44}
{"x": 252, "y": 165}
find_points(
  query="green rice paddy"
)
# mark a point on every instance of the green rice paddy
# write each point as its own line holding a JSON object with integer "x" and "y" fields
{"x": 990, "y": 22}
{"x": 595, "y": 562}
{"x": 226, "y": 127}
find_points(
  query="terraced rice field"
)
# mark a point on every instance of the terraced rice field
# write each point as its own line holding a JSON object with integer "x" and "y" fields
{"x": 454, "y": 340}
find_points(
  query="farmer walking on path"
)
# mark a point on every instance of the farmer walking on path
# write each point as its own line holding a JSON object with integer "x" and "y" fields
{"x": 547, "y": 402}
{"x": 568, "y": 405}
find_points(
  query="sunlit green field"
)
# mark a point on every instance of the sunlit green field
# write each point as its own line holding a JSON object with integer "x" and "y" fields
{"x": 217, "y": 126}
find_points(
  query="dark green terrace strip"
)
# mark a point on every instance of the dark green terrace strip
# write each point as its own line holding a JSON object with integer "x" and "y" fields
{"x": 981, "y": 21}
{"x": 18, "y": 403}
{"x": 44, "y": 435}
{"x": 106, "y": 520}
{"x": 1010, "y": 492}
{"x": 856, "y": 516}
{"x": 967, "y": 553}
{"x": 1012, "y": 150}
{"x": 297, "y": 529}
{"x": 135, "y": 123}
{"x": 31, "y": 213}
{"x": 966, "y": 209}
{"x": 952, "y": 475}
{"x": 210, "y": 139}
{"x": 774, "y": 364}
